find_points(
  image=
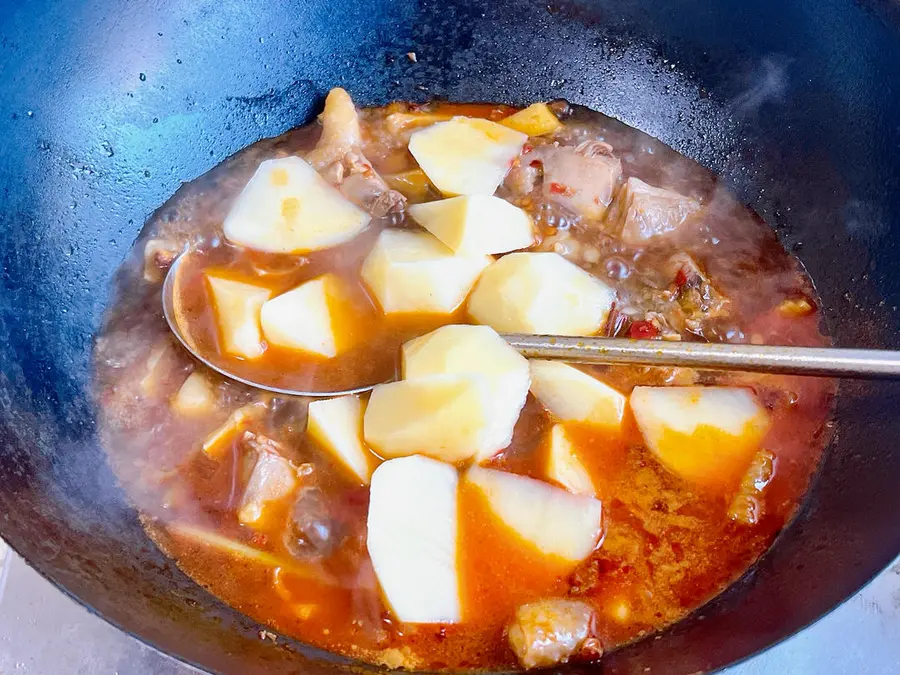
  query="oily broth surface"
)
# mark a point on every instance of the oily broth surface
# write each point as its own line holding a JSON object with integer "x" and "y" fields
{"x": 668, "y": 548}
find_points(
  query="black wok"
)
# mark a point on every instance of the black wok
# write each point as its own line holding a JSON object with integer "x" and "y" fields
{"x": 106, "y": 107}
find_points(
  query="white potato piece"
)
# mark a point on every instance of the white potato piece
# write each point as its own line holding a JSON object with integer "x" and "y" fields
{"x": 237, "y": 306}
{"x": 478, "y": 351}
{"x": 412, "y": 539}
{"x": 196, "y": 397}
{"x": 476, "y": 224}
{"x": 572, "y": 395}
{"x": 272, "y": 480}
{"x": 288, "y": 208}
{"x": 557, "y": 522}
{"x": 466, "y": 156}
{"x": 540, "y": 293}
{"x": 563, "y": 465}
{"x": 447, "y": 417}
{"x": 411, "y": 272}
{"x": 303, "y": 318}
{"x": 707, "y": 435}
{"x": 336, "y": 424}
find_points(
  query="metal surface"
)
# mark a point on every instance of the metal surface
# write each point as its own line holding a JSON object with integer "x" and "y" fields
{"x": 821, "y": 361}
{"x": 42, "y": 632}
{"x": 105, "y": 110}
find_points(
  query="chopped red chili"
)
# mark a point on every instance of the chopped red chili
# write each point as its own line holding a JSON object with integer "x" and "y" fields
{"x": 560, "y": 189}
{"x": 528, "y": 147}
{"x": 643, "y": 330}
{"x": 681, "y": 278}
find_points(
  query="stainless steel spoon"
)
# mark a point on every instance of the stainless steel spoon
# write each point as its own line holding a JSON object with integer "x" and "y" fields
{"x": 820, "y": 361}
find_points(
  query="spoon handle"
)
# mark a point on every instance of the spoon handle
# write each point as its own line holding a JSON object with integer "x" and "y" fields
{"x": 823, "y": 361}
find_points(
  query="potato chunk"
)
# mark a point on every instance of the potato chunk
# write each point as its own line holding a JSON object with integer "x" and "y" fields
{"x": 412, "y": 539}
{"x": 574, "y": 396}
{"x": 288, "y": 208}
{"x": 641, "y": 212}
{"x": 414, "y": 272}
{"x": 303, "y": 318}
{"x": 475, "y": 350}
{"x": 563, "y": 465}
{"x": 336, "y": 424}
{"x": 535, "y": 120}
{"x": 476, "y": 225}
{"x": 540, "y": 293}
{"x": 707, "y": 435}
{"x": 556, "y": 522}
{"x": 237, "y": 305}
{"x": 447, "y": 417}
{"x": 196, "y": 397}
{"x": 466, "y": 156}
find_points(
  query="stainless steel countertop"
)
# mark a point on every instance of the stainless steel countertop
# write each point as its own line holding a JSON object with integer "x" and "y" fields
{"x": 43, "y": 632}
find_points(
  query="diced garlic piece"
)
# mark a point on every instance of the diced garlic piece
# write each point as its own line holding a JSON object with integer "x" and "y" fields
{"x": 304, "y": 317}
{"x": 475, "y": 350}
{"x": 412, "y": 539}
{"x": 563, "y": 465}
{"x": 707, "y": 435}
{"x": 336, "y": 424}
{"x": 535, "y": 120}
{"x": 414, "y": 272}
{"x": 555, "y": 521}
{"x": 288, "y": 208}
{"x": 447, "y": 417}
{"x": 541, "y": 293}
{"x": 572, "y": 395}
{"x": 197, "y": 396}
{"x": 476, "y": 224}
{"x": 466, "y": 156}
{"x": 237, "y": 305}
{"x": 272, "y": 480}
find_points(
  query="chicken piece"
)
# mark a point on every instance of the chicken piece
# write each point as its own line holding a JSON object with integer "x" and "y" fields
{"x": 272, "y": 480}
{"x": 746, "y": 507}
{"x": 339, "y": 158}
{"x": 341, "y": 132}
{"x": 523, "y": 177}
{"x": 554, "y": 631}
{"x": 581, "y": 178}
{"x": 159, "y": 254}
{"x": 312, "y": 533}
{"x": 642, "y": 212}
{"x": 697, "y": 297}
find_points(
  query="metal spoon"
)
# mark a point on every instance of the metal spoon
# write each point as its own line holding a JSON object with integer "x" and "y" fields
{"x": 820, "y": 361}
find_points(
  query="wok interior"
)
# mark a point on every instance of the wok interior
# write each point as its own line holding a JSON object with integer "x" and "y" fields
{"x": 788, "y": 104}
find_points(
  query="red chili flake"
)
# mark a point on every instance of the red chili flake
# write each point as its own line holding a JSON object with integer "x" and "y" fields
{"x": 535, "y": 163}
{"x": 259, "y": 539}
{"x": 560, "y": 189}
{"x": 681, "y": 278}
{"x": 643, "y": 330}
{"x": 528, "y": 147}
